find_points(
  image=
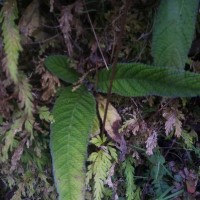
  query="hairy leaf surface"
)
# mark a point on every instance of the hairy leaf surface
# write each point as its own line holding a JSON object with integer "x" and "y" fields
{"x": 74, "y": 114}
{"x": 137, "y": 79}
{"x": 173, "y": 32}
{"x": 59, "y": 65}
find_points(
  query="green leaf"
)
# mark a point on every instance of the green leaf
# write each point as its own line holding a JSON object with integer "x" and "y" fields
{"x": 61, "y": 67}
{"x": 137, "y": 79}
{"x": 173, "y": 32}
{"x": 166, "y": 194}
{"x": 11, "y": 38}
{"x": 74, "y": 114}
{"x": 100, "y": 165}
{"x": 132, "y": 192}
{"x": 45, "y": 114}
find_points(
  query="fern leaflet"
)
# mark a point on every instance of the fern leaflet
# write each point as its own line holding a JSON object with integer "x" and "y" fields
{"x": 101, "y": 163}
{"x": 132, "y": 192}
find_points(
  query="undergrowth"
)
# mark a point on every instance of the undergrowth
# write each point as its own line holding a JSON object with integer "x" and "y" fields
{"x": 149, "y": 146}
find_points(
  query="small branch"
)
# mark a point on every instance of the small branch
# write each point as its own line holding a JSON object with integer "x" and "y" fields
{"x": 81, "y": 79}
{"x": 104, "y": 60}
{"x": 118, "y": 47}
{"x": 46, "y": 40}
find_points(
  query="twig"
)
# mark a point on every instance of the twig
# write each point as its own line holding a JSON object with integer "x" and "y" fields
{"x": 46, "y": 40}
{"x": 82, "y": 78}
{"x": 104, "y": 60}
{"x": 118, "y": 47}
{"x": 6, "y": 99}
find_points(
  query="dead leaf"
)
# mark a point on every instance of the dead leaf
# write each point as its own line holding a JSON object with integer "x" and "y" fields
{"x": 173, "y": 118}
{"x": 51, "y": 5}
{"x": 190, "y": 178}
{"x": 113, "y": 119}
{"x": 17, "y": 154}
{"x": 191, "y": 186}
{"x": 151, "y": 143}
{"x": 112, "y": 124}
{"x": 30, "y": 20}
{"x": 49, "y": 84}
{"x": 69, "y": 21}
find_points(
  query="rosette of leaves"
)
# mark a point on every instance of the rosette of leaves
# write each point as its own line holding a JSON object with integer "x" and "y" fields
{"x": 74, "y": 111}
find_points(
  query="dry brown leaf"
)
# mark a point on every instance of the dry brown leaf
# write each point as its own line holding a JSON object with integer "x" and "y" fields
{"x": 51, "y": 5}
{"x": 113, "y": 119}
{"x": 190, "y": 178}
{"x": 112, "y": 124}
{"x": 151, "y": 143}
{"x": 49, "y": 84}
{"x": 65, "y": 25}
{"x": 132, "y": 125}
{"x": 173, "y": 122}
{"x": 17, "y": 154}
{"x": 30, "y": 20}
{"x": 68, "y": 20}
{"x": 48, "y": 81}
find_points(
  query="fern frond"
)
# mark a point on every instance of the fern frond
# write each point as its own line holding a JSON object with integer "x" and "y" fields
{"x": 101, "y": 162}
{"x": 151, "y": 143}
{"x": 11, "y": 38}
{"x": 132, "y": 192}
{"x": 12, "y": 48}
{"x": 158, "y": 172}
{"x": 188, "y": 139}
{"x": 25, "y": 96}
{"x": 23, "y": 89}
{"x": 160, "y": 187}
{"x": 10, "y": 137}
{"x": 173, "y": 118}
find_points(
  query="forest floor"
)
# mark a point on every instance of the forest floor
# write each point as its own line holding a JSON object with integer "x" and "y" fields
{"x": 170, "y": 128}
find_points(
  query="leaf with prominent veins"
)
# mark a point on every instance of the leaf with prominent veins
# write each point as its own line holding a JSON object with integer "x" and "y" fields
{"x": 136, "y": 79}
{"x": 74, "y": 113}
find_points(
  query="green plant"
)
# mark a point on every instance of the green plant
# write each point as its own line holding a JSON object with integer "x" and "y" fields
{"x": 74, "y": 111}
{"x": 132, "y": 191}
{"x": 101, "y": 163}
{"x": 22, "y": 146}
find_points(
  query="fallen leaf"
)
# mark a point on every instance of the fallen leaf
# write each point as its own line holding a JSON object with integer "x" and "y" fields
{"x": 112, "y": 124}
{"x": 113, "y": 119}
{"x": 191, "y": 186}
{"x": 17, "y": 154}
{"x": 30, "y": 19}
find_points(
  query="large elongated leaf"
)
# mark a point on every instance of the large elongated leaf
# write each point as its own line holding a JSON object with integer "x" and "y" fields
{"x": 137, "y": 79}
{"x": 59, "y": 65}
{"x": 173, "y": 32}
{"x": 74, "y": 114}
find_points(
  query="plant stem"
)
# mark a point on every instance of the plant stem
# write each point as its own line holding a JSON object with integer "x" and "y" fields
{"x": 122, "y": 23}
